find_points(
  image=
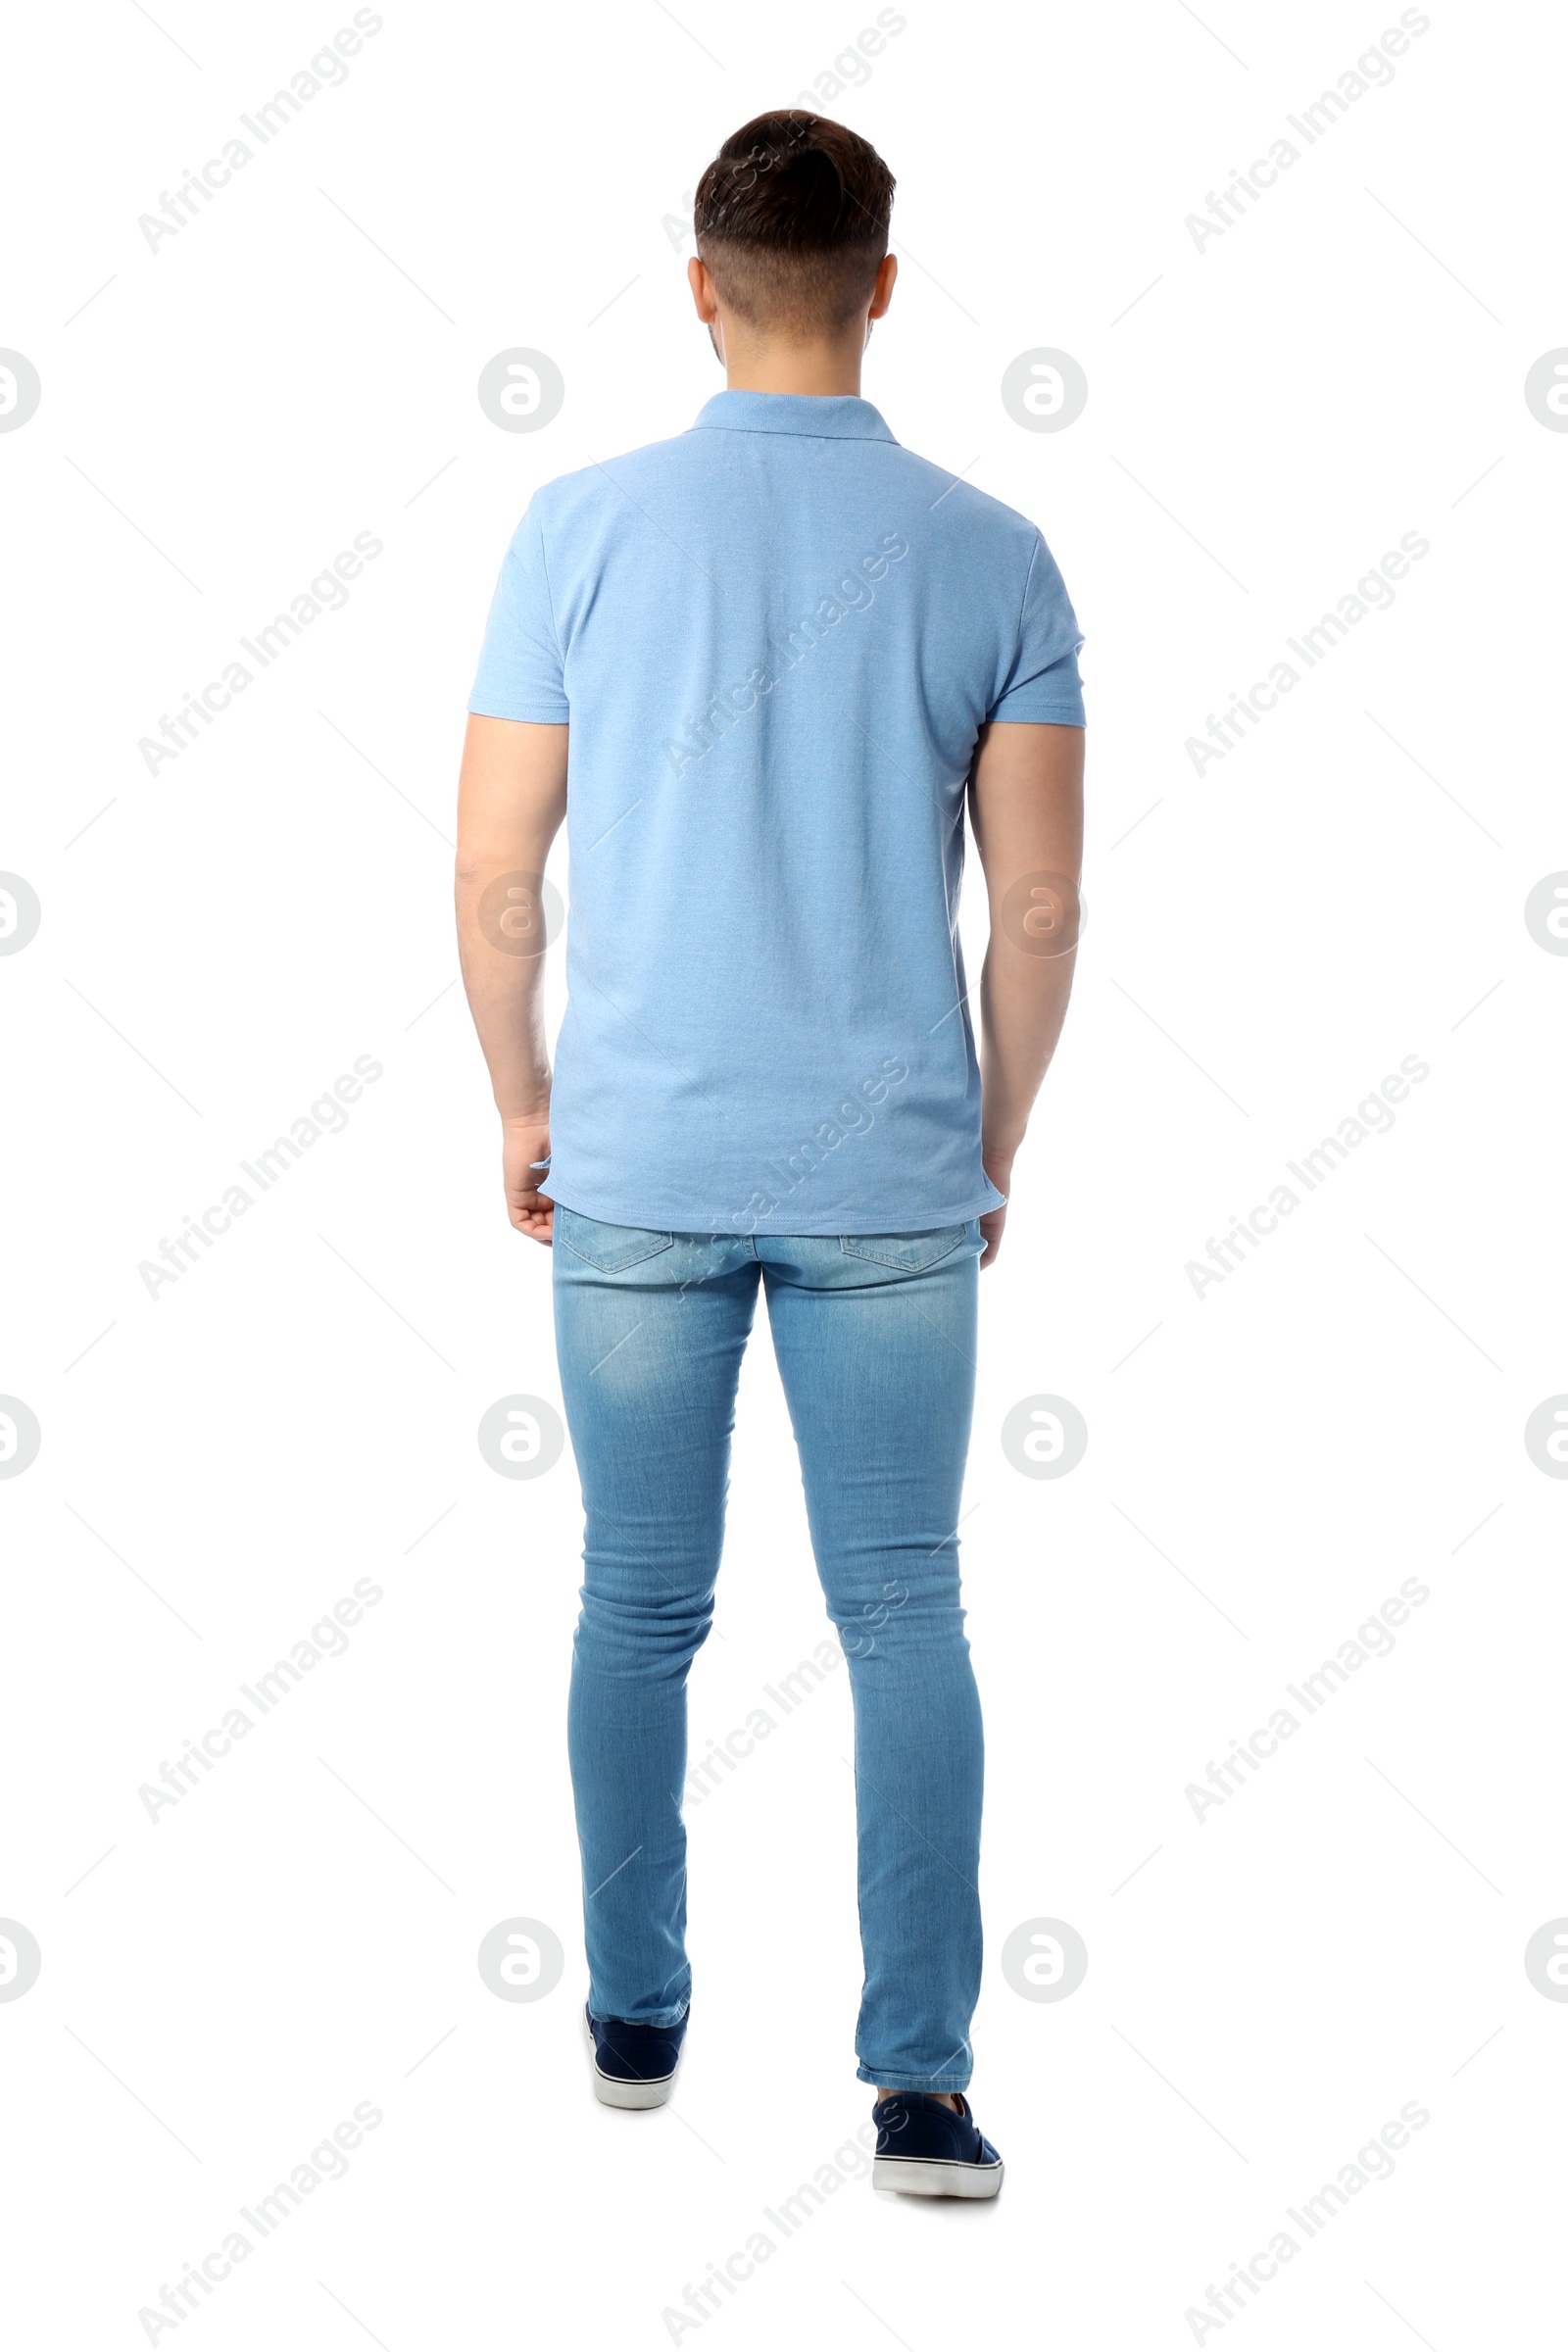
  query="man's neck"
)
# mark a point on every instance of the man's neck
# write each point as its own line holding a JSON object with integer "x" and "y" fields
{"x": 820, "y": 369}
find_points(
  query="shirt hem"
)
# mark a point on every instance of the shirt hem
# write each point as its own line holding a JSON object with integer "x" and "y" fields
{"x": 647, "y": 1218}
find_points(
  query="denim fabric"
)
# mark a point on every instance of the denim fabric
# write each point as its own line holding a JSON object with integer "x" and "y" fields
{"x": 874, "y": 1335}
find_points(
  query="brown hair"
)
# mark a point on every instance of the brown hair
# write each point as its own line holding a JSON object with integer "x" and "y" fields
{"x": 792, "y": 220}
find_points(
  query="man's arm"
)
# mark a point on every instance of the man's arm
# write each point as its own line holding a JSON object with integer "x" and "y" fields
{"x": 512, "y": 797}
{"x": 1026, "y": 806}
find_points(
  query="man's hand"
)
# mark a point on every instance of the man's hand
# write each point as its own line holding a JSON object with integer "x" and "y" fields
{"x": 523, "y": 1144}
{"x": 1000, "y": 1172}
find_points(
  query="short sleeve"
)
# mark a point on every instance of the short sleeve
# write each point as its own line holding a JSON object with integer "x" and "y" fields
{"x": 519, "y": 663}
{"x": 1043, "y": 682}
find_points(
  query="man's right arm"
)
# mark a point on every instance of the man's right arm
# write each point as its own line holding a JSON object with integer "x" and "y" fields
{"x": 512, "y": 797}
{"x": 1026, "y": 807}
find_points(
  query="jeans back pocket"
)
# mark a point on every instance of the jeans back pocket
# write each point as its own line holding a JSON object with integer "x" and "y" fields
{"x": 609, "y": 1248}
{"x": 907, "y": 1252}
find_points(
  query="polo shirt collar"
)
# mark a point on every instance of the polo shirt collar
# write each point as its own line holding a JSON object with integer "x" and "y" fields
{"x": 812, "y": 415}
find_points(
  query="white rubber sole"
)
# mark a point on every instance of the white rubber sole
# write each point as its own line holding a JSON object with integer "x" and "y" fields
{"x": 611, "y": 2090}
{"x": 931, "y": 2176}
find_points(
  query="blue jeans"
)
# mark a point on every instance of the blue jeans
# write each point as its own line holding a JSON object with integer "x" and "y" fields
{"x": 875, "y": 1341}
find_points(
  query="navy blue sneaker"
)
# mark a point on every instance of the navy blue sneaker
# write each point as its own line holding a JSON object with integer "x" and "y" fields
{"x": 924, "y": 2150}
{"x": 633, "y": 2066}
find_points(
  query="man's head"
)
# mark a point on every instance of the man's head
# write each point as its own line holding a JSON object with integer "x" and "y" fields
{"x": 792, "y": 231}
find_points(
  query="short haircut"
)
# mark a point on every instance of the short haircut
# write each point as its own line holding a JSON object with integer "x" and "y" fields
{"x": 792, "y": 220}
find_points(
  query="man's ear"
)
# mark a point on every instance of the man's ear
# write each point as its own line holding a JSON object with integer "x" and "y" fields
{"x": 700, "y": 278}
{"x": 882, "y": 292}
{"x": 701, "y": 286}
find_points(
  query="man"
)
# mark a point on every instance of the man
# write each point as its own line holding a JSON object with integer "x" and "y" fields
{"x": 781, "y": 649}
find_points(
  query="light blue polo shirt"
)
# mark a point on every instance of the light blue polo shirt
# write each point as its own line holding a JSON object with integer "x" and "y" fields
{"x": 775, "y": 639}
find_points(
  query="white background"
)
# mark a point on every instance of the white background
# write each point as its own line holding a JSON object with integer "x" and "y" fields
{"x": 221, "y": 1462}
